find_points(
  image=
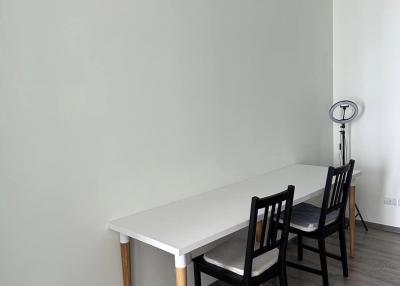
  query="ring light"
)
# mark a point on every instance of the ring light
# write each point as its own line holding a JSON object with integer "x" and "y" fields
{"x": 344, "y": 106}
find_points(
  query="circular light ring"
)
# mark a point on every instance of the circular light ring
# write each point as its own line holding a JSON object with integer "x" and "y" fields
{"x": 338, "y": 105}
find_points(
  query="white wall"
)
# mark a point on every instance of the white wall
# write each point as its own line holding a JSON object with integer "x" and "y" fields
{"x": 111, "y": 107}
{"x": 367, "y": 69}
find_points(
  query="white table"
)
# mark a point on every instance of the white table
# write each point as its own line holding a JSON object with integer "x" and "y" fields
{"x": 186, "y": 225}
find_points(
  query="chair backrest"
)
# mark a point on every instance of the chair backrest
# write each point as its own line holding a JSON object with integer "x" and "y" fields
{"x": 337, "y": 186}
{"x": 271, "y": 209}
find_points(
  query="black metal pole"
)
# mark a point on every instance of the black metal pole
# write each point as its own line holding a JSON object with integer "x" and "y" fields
{"x": 343, "y": 147}
{"x": 343, "y": 143}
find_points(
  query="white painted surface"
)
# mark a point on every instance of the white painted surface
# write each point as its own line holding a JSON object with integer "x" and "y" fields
{"x": 186, "y": 225}
{"x": 123, "y": 238}
{"x": 181, "y": 261}
{"x": 112, "y": 107}
{"x": 367, "y": 70}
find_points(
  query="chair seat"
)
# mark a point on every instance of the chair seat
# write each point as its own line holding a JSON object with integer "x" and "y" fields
{"x": 231, "y": 256}
{"x": 305, "y": 217}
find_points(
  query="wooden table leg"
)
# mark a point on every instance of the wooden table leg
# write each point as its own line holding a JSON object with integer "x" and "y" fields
{"x": 259, "y": 230}
{"x": 126, "y": 260}
{"x": 352, "y": 220}
{"x": 181, "y": 276}
{"x": 181, "y": 262}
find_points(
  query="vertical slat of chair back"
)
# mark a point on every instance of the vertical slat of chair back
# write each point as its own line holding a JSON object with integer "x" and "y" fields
{"x": 273, "y": 208}
{"x": 336, "y": 191}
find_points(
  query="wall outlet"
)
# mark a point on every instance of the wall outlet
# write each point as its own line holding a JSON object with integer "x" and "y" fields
{"x": 390, "y": 201}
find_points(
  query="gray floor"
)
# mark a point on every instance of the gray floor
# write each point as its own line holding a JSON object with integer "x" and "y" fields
{"x": 377, "y": 262}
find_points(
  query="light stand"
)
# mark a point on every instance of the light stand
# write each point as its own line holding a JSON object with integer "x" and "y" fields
{"x": 342, "y": 121}
{"x": 343, "y": 151}
{"x": 343, "y": 134}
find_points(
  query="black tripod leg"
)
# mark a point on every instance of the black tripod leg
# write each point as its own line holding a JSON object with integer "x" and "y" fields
{"x": 362, "y": 219}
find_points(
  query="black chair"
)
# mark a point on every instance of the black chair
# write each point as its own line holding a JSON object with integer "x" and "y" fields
{"x": 318, "y": 223}
{"x": 241, "y": 262}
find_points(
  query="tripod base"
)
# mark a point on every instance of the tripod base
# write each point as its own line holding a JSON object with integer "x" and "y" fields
{"x": 358, "y": 214}
{"x": 362, "y": 219}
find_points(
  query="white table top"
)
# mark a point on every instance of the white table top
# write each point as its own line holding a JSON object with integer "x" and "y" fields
{"x": 183, "y": 226}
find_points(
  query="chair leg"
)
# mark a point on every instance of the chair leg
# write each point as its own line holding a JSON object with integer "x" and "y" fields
{"x": 283, "y": 276}
{"x": 324, "y": 266}
{"x": 197, "y": 275}
{"x": 299, "y": 247}
{"x": 343, "y": 252}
